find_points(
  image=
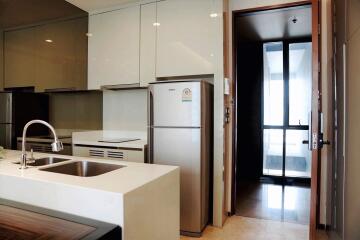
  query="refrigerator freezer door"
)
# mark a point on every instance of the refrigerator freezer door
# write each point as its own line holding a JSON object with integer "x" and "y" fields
{"x": 176, "y": 104}
{"x": 5, "y": 135}
{"x": 5, "y": 108}
{"x": 181, "y": 147}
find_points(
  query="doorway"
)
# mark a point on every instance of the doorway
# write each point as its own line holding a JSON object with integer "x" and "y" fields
{"x": 274, "y": 77}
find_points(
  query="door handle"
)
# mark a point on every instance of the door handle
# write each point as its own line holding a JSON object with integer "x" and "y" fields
{"x": 323, "y": 142}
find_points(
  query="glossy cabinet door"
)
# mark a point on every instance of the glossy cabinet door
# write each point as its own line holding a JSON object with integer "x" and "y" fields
{"x": 353, "y": 16}
{"x": 19, "y": 58}
{"x": 61, "y": 64}
{"x": 185, "y": 38}
{"x": 51, "y": 56}
{"x": 114, "y": 48}
{"x": 147, "y": 44}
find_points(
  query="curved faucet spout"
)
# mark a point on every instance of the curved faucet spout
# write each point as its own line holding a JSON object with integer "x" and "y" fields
{"x": 56, "y": 146}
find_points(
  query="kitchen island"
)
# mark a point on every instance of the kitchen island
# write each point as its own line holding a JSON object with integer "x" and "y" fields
{"x": 142, "y": 199}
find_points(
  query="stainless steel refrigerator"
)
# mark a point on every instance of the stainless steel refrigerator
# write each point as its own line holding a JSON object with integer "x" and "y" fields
{"x": 16, "y": 109}
{"x": 180, "y": 134}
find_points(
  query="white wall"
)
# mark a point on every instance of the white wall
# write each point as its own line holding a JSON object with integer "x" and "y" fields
{"x": 125, "y": 110}
{"x": 218, "y": 188}
{"x": 326, "y": 78}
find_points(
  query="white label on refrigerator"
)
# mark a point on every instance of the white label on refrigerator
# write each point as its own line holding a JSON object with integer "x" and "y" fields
{"x": 187, "y": 95}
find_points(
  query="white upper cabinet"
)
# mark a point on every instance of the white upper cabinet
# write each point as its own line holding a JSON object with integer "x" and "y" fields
{"x": 114, "y": 48}
{"x": 147, "y": 44}
{"x": 185, "y": 38}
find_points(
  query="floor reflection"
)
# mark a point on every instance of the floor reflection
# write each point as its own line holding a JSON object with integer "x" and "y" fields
{"x": 274, "y": 202}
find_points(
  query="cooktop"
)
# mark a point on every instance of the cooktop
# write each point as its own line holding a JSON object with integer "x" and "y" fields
{"x": 119, "y": 140}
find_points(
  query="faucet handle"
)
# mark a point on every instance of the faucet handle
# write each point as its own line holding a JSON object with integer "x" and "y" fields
{"x": 31, "y": 158}
{"x": 57, "y": 146}
{"x": 23, "y": 162}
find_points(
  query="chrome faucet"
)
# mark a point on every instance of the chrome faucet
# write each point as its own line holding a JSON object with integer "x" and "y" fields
{"x": 56, "y": 146}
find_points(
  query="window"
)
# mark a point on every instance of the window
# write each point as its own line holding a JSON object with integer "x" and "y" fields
{"x": 287, "y": 75}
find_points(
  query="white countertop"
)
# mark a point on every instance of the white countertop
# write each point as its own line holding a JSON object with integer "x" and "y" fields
{"x": 143, "y": 199}
{"x": 123, "y": 180}
{"x": 92, "y": 138}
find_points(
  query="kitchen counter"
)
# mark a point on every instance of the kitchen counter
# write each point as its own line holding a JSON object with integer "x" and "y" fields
{"x": 143, "y": 199}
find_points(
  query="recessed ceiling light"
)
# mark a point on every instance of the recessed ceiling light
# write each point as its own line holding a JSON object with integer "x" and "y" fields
{"x": 213, "y": 15}
{"x": 49, "y": 40}
{"x": 156, "y": 24}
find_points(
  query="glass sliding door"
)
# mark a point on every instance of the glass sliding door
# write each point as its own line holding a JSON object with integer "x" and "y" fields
{"x": 287, "y": 74}
{"x": 298, "y": 157}
{"x": 273, "y": 152}
{"x": 273, "y": 110}
{"x": 273, "y": 84}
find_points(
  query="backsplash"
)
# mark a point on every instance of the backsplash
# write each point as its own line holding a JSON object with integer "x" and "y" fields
{"x": 125, "y": 110}
{"x": 1, "y": 60}
{"x": 76, "y": 110}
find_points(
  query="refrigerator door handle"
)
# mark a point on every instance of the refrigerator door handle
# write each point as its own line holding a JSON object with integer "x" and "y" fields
{"x": 150, "y": 103}
{"x": 6, "y": 135}
{"x": 9, "y": 136}
{"x": 8, "y": 111}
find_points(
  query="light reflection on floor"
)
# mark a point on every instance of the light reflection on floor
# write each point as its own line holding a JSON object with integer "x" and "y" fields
{"x": 242, "y": 228}
{"x": 274, "y": 202}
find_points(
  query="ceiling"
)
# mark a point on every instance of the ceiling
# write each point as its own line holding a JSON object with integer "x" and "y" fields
{"x": 14, "y": 13}
{"x": 93, "y": 5}
{"x": 274, "y": 24}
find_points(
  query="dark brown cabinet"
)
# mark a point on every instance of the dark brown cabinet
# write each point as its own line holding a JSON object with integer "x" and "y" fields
{"x": 19, "y": 58}
{"x": 26, "y": 222}
{"x": 47, "y": 57}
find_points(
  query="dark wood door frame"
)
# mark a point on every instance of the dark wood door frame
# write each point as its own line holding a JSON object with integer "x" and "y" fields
{"x": 316, "y": 106}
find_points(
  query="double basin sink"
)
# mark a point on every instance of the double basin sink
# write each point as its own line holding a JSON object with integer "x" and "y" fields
{"x": 75, "y": 168}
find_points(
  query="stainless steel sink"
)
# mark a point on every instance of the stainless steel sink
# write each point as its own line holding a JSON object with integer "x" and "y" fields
{"x": 45, "y": 161}
{"x": 83, "y": 168}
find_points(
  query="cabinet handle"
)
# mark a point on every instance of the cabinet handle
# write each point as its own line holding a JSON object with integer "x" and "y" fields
{"x": 120, "y": 86}
{"x": 60, "y": 89}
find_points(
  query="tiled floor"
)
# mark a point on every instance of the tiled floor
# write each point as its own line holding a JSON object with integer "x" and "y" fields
{"x": 242, "y": 228}
{"x": 274, "y": 202}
